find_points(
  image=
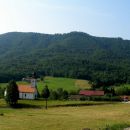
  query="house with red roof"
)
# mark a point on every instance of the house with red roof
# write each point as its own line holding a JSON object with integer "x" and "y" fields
{"x": 87, "y": 93}
{"x": 91, "y": 93}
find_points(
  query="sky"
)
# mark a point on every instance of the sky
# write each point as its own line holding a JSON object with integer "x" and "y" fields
{"x": 104, "y": 18}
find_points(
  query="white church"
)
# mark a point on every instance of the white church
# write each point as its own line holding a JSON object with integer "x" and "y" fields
{"x": 28, "y": 91}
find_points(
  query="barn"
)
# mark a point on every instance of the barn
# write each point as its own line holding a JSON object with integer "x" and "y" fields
{"x": 91, "y": 93}
{"x": 86, "y": 93}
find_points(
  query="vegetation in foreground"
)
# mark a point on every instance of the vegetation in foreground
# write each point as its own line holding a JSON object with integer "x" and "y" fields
{"x": 114, "y": 116}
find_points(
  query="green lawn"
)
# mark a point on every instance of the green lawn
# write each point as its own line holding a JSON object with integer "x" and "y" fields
{"x": 54, "y": 83}
{"x": 64, "y": 118}
{"x": 3, "y": 84}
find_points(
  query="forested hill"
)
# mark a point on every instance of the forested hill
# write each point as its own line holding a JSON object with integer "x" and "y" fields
{"x": 75, "y": 54}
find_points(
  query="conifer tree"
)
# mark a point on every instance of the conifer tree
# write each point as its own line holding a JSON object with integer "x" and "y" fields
{"x": 45, "y": 94}
{"x": 12, "y": 93}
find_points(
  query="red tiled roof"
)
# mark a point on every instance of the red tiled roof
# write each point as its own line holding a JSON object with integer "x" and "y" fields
{"x": 26, "y": 89}
{"x": 91, "y": 93}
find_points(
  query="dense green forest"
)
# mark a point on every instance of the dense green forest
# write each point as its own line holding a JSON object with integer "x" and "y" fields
{"x": 103, "y": 61}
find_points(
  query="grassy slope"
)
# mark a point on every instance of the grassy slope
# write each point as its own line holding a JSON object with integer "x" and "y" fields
{"x": 54, "y": 83}
{"x": 65, "y": 83}
{"x": 64, "y": 118}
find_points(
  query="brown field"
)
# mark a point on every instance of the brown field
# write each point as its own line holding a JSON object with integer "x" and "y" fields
{"x": 82, "y": 84}
{"x": 64, "y": 118}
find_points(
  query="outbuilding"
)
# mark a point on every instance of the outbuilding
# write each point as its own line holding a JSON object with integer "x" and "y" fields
{"x": 91, "y": 93}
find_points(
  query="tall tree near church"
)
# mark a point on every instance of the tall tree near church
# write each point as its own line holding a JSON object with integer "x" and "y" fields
{"x": 45, "y": 94}
{"x": 12, "y": 93}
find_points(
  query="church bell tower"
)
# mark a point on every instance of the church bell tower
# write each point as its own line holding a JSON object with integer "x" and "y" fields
{"x": 34, "y": 80}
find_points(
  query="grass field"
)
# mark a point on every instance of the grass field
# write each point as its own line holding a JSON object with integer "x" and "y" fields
{"x": 54, "y": 83}
{"x": 64, "y": 118}
{"x": 65, "y": 83}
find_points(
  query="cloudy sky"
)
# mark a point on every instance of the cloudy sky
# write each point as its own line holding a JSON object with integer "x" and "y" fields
{"x": 110, "y": 18}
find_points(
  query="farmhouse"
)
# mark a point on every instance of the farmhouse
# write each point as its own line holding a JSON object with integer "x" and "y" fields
{"x": 91, "y": 93}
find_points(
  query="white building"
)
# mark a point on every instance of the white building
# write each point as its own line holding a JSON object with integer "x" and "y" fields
{"x": 27, "y": 92}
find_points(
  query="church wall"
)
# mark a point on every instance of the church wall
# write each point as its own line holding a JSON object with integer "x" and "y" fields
{"x": 27, "y": 95}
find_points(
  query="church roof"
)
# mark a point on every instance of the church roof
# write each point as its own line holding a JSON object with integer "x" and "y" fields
{"x": 26, "y": 89}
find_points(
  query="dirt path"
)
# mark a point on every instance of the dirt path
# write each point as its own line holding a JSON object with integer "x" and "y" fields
{"x": 127, "y": 128}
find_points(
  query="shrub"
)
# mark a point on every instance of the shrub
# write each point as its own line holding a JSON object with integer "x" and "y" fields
{"x": 83, "y": 98}
{"x": 59, "y": 94}
{"x": 2, "y": 92}
{"x": 122, "y": 90}
{"x": 53, "y": 95}
{"x": 65, "y": 94}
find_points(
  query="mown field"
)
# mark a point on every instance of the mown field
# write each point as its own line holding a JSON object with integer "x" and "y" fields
{"x": 65, "y": 83}
{"x": 96, "y": 115}
{"x": 54, "y": 83}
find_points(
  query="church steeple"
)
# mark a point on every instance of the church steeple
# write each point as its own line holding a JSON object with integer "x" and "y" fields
{"x": 34, "y": 80}
{"x": 34, "y": 75}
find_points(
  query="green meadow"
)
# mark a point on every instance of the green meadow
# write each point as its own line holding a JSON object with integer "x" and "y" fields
{"x": 65, "y": 83}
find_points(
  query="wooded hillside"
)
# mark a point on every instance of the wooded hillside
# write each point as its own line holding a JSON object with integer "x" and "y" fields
{"x": 76, "y": 54}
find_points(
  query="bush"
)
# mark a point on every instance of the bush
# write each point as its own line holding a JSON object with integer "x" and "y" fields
{"x": 116, "y": 127}
{"x": 65, "y": 95}
{"x": 59, "y": 94}
{"x": 74, "y": 92}
{"x": 83, "y": 98}
{"x": 53, "y": 95}
{"x": 122, "y": 90}
{"x": 2, "y": 92}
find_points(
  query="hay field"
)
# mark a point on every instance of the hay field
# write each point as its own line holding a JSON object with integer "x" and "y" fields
{"x": 65, "y": 118}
